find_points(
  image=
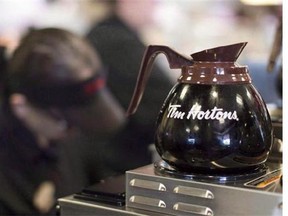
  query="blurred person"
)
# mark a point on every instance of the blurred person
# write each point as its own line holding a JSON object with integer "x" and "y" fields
{"x": 117, "y": 39}
{"x": 54, "y": 86}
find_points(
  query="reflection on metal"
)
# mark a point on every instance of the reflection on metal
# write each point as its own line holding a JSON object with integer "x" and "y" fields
{"x": 152, "y": 185}
{"x": 148, "y": 201}
{"x": 195, "y": 209}
{"x": 195, "y": 192}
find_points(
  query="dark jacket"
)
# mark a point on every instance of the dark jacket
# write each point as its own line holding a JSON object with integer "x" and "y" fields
{"x": 71, "y": 164}
{"x": 121, "y": 51}
{"x": 23, "y": 166}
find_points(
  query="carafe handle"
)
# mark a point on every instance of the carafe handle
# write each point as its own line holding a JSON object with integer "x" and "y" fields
{"x": 175, "y": 60}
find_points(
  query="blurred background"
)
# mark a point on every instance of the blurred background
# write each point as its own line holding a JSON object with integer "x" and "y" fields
{"x": 186, "y": 25}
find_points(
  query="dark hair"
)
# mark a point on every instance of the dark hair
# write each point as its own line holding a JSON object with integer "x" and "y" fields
{"x": 49, "y": 57}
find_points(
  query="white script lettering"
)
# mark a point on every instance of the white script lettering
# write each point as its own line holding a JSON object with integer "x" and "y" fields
{"x": 174, "y": 113}
{"x": 196, "y": 113}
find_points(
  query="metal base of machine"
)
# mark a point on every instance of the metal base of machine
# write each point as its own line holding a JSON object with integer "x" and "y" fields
{"x": 257, "y": 195}
{"x": 148, "y": 193}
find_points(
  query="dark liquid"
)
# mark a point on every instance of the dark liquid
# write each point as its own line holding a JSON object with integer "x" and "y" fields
{"x": 214, "y": 128}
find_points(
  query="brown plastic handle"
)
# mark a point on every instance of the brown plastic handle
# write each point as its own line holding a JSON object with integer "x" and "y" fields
{"x": 175, "y": 60}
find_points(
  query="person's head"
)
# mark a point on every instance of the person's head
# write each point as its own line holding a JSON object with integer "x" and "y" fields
{"x": 55, "y": 79}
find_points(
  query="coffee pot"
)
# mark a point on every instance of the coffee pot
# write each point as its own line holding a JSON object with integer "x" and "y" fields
{"x": 213, "y": 121}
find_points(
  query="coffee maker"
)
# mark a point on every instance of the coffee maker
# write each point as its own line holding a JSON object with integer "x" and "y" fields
{"x": 215, "y": 140}
{"x": 214, "y": 136}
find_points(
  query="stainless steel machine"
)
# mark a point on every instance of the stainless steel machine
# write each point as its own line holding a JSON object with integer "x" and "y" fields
{"x": 158, "y": 189}
{"x": 219, "y": 154}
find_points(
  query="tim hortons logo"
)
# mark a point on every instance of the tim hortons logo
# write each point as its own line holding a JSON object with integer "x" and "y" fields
{"x": 196, "y": 113}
